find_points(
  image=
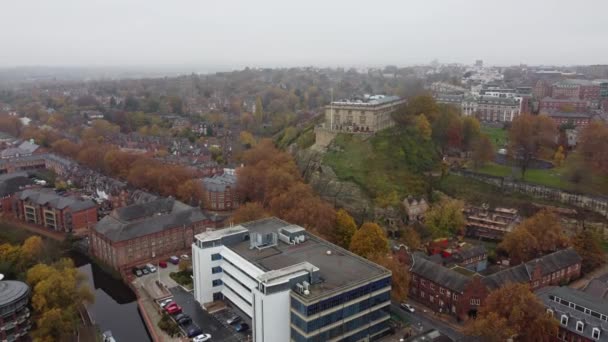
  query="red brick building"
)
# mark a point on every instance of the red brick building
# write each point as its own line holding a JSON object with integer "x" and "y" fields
{"x": 220, "y": 192}
{"x": 549, "y": 104}
{"x": 460, "y": 292}
{"x": 139, "y": 233}
{"x": 576, "y": 89}
{"x": 575, "y": 118}
{"x": 46, "y": 208}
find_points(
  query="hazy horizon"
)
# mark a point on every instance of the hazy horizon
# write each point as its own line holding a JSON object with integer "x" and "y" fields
{"x": 272, "y": 33}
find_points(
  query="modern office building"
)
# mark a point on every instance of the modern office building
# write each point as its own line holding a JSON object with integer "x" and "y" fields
{"x": 368, "y": 114}
{"x": 14, "y": 313}
{"x": 293, "y": 285}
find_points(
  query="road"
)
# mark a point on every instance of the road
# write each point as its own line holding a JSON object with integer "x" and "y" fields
{"x": 425, "y": 321}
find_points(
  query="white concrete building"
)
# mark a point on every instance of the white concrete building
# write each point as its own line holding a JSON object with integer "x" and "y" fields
{"x": 293, "y": 285}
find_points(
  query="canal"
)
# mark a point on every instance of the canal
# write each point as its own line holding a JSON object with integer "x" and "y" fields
{"x": 115, "y": 306}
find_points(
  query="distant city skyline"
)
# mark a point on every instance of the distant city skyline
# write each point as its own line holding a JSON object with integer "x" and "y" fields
{"x": 271, "y": 33}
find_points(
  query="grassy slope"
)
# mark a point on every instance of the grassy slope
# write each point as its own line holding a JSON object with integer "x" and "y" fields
{"x": 379, "y": 164}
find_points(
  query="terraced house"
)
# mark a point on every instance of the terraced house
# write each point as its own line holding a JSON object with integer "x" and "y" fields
{"x": 46, "y": 208}
{"x": 460, "y": 292}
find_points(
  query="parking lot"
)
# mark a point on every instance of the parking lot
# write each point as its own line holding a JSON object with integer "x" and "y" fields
{"x": 209, "y": 324}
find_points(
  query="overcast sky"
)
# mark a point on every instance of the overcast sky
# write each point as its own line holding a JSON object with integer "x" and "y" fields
{"x": 236, "y": 33}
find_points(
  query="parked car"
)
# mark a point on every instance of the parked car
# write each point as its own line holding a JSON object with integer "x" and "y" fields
{"x": 174, "y": 260}
{"x": 180, "y": 316}
{"x": 185, "y": 257}
{"x": 407, "y": 307}
{"x": 202, "y": 338}
{"x": 137, "y": 271}
{"x": 151, "y": 268}
{"x": 242, "y": 327}
{"x": 185, "y": 321}
{"x": 194, "y": 331}
{"x": 233, "y": 319}
{"x": 174, "y": 309}
{"x": 162, "y": 264}
{"x": 165, "y": 302}
{"x": 144, "y": 270}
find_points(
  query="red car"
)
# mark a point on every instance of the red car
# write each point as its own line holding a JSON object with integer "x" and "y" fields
{"x": 173, "y": 309}
{"x": 162, "y": 264}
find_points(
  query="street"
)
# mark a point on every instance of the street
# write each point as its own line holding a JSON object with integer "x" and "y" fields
{"x": 425, "y": 321}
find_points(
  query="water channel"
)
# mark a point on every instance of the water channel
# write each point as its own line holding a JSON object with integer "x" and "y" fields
{"x": 115, "y": 306}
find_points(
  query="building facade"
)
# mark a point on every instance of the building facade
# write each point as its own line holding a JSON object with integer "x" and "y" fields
{"x": 549, "y": 104}
{"x": 15, "y": 321}
{"x": 573, "y": 118}
{"x": 582, "y": 317}
{"x": 494, "y": 107}
{"x": 46, "y": 208}
{"x": 139, "y": 233}
{"x": 292, "y": 285}
{"x": 220, "y": 192}
{"x": 576, "y": 89}
{"x": 460, "y": 294}
{"x": 367, "y": 115}
{"x": 490, "y": 224}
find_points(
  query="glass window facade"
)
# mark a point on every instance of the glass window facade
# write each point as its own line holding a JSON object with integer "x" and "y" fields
{"x": 344, "y": 313}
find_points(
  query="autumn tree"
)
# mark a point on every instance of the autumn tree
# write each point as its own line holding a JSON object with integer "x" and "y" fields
{"x": 11, "y": 125}
{"x": 534, "y": 237}
{"x": 58, "y": 291}
{"x": 369, "y": 241}
{"x": 593, "y": 146}
{"x": 259, "y": 111}
{"x": 411, "y": 238}
{"x": 471, "y": 132}
{"x": 528, "y": 135}
{"x": 66, "y": 148}
{"x": 423, "y": 127}
{"x": 558, "y": 157}
{"x": 249, "y": 212}
{"x": 247, "y": 139}
{"x": 423, "y": 104}
{"x": 513, "y": 311}
{"x": 344, "y": 230}
{"x": 588, "y": 244}
{"x": 400, "y": 275}
{"x": 191, "y": 192}
{"x": 483, "y": 151}
{"x": 445, "y": 218}
{"x": 31, "y": 249}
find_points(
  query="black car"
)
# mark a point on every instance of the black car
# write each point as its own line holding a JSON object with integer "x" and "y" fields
{"x": 137, "y": 271}
{"x": 184, "y": 321}
{"x": 242, "y": 327}
{"x": 180, "y": 316}
{"x": 194, "y": 331}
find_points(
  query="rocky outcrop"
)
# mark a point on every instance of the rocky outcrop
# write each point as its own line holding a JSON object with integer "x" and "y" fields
{"x": 323, "y": 179}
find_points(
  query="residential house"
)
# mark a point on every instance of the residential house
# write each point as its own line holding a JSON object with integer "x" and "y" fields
{"x": 459, "y": 292}
{"x": 581, "y": 316}
{"x": 9, "y": 185}
{"x": 66, "y": 214}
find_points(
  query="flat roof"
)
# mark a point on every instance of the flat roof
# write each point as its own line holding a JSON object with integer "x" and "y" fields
{"x": 338, "y": 268}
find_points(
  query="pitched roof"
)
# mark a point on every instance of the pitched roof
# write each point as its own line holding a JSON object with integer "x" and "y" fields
{"x": 219, "y": 182}
{"x": 13, "y": 182}
{"x": 49, "y": 197}
{"x": 438, "y": 274}
{"x": 578, "y": 307}
{"x": 522, "y": 273}
{"x": 147, "y": 218}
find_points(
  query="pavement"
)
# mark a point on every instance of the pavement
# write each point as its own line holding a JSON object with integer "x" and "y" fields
{"x": 207, "y": 322}
{"x": 581, "y": 283}
{"x": 149, "y": 282}
{"x": 423, "y": 321}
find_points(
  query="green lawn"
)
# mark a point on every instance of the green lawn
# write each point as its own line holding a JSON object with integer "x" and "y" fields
{"x": 549, "y": 177}
{"x": 498, "y": 136}
{"x": 556, "y": 178}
